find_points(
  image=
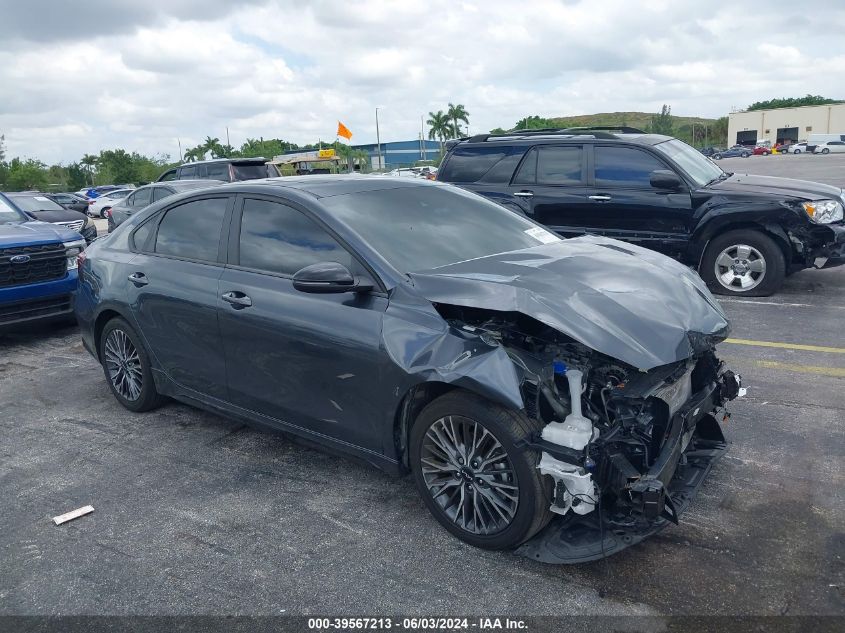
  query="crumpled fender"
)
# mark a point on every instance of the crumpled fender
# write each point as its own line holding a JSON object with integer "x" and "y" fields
{"x": 426, "y": 348}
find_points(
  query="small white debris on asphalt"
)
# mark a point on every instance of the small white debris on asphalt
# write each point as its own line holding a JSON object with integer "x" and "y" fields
{"x": 73, "y": 514}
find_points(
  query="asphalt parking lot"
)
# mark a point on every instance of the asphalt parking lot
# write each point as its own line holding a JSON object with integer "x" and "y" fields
{"x": 198, "y": 514}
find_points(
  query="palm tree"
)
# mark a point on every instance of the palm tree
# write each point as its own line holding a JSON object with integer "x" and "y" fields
{"x": 213, "y": 145}
{"x": 194, "y": 153}
{"x": 457, "y": 113}
{"x": 439, "y": 127}
{"x": 89, "y": 160}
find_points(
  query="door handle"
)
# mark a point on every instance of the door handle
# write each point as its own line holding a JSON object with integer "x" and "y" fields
{"x": 524, "y": 194}
{"x": 601, "y": 198}
{"x": 139, "y": 279}
{"x": 237, "y": 299}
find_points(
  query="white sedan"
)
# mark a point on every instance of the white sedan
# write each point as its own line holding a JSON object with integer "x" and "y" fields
{"x": 831, "y": 147}
{"x": 98, "y": 206}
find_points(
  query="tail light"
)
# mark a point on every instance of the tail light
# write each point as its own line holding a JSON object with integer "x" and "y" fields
{"x": 90, "y": 202}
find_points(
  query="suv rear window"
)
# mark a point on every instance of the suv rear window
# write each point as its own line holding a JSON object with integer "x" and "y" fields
{"x": 217, "y": 171}
{"x": 470, "y": 164}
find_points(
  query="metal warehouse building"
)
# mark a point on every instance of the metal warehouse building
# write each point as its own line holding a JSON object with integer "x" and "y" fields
{"x": 785, "y": 124}
{"x": 401, "y": 153}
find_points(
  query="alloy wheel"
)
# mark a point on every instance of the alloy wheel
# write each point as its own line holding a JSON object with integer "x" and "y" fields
{"x": 740, "y": 267}
{"x": 469, "y": 475}
{"x": 123, "y": 365}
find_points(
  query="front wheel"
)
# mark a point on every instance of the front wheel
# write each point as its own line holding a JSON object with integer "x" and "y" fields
{"x": 743, "y": 262}
{"x": 797, "y": 151}
{"x": 471, "y": 475}
{"x": 104, "y": 213}
{"x": 745, "y": 154}
{"x": 825, "y": 151}
{"x": 717, "y": 157}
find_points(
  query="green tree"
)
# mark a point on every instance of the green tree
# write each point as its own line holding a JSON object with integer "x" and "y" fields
{"x": 791, "y": 102}
{"x": 533, "y": 123}
{"x": 116, "y": 166}
{"x": 662, "y": 123}
{"x": 719, "y": 132}
{"x": 76, "y": 176}
{"x": 26, "y": 174}
{"x": 213, "y": 145}
{"x": 457, "y": 114}
{"x": 439, "y": 127}
{"x": 2, "y": 147}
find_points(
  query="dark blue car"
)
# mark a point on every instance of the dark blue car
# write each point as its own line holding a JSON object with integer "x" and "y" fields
{"x": 423, "y": 328}
{"x": 38, "y": 263}
{"x": 733, "y": 152}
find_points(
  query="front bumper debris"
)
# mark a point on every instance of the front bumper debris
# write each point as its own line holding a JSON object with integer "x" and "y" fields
{"x": 657, "y": 498}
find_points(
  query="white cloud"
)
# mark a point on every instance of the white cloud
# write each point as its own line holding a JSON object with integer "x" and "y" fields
{"x": 142, "y": 75}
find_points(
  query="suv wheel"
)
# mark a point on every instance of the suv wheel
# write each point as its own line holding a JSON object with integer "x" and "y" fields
{"x": 743, "y": 262}
{"x": 127, "y": 367}
{"x": 471, "y": 475}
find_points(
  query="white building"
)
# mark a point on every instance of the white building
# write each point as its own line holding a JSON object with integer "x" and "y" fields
{"x": 785, "y": 124}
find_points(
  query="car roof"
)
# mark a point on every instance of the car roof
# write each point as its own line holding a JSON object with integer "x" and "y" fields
{"x": 568, "y": 135}
{"x": 184, "y": 185}
{"x": 328, "y": 185}
{"x": 256, "y": 160}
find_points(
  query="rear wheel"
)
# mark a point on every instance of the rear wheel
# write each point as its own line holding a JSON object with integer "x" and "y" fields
{"x": 127, "y": 367}
{"x": 104, "y": 212}
{"x": 717, "y": 156}
{"x": 471, "y": 475}
{"x": 745, "y": 154}
{"x": 743, "y": 262}
{"x": 797, "y": 151}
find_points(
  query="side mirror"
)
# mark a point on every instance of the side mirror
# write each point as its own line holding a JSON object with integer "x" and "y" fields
{"x": 31, "y": 216}
{"x": 665, "y": 179}
{"x": 327, "y": 277}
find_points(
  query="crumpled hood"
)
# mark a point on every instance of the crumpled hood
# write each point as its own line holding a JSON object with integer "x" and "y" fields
{"x": 32, "y": 233}
{"x": 624, "y": 301}
{"x": 773, "y": 185}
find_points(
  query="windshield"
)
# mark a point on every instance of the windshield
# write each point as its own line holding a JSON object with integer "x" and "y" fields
{"x": 9, "y": 214}
{"x": 419, "y": 228}
{"x": 36, "y": 203}
{"x": 702, "y": 170}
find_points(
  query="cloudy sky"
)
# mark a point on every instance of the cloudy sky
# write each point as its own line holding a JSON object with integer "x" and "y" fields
{"x": 78, "y": 77}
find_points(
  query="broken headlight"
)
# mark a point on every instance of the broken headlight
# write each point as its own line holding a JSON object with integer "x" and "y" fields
{"x": 824, "y": 211}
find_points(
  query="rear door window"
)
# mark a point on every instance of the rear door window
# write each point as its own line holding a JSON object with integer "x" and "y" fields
{"x": 218, "y": 171}
{"x": 560, "y": 165}
{"x": 142, "y": 197}
{"x": 624, "y": 167}
{"x": 527, "y": 174}
{"x": 192, "y": 230}
{"x": 187, "y": 172}
{"x": 159, "y": 193}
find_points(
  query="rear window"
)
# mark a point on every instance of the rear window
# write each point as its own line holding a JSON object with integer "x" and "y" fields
{"x": 249, "y": 172}
{"x": 470, "y": 164}
{"x": 217, "y": 171}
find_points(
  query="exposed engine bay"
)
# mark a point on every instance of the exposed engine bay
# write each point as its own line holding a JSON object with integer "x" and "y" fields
{"x": 624, "y": 449}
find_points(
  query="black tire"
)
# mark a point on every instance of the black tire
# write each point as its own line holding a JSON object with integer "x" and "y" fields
{"x": 766, "y": 153}
{"x": 797, "y": 151}
{"x": 717, "y": 157}
{"x": 147, "y": 397}
{"x": 766, "y": 248}
{"x": 825, "y": 151}
{"x": 103, "y": 212}
{"x": 745, "y": 154}
{"x": 531, "y": 512}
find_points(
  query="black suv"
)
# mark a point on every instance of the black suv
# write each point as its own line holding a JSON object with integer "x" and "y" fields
{"x": 743, "y": 233}
{"x": 225, "y": 169}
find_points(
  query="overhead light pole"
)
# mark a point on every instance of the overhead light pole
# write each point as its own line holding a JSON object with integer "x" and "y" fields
{"x": 378, "y": 142}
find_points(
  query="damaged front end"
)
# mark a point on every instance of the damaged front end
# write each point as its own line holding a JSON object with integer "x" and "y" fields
{"x": 625, "y": 449}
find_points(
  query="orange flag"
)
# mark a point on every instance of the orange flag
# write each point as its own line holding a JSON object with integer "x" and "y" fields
{"x": 344, "y": 131}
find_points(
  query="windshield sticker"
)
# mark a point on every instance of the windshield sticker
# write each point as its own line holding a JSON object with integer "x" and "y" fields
{"x": 542, "y": 235}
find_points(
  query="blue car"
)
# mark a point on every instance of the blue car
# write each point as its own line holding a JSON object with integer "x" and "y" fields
{"x": 38, "y": 264}
{"x": 733, "y": 152}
